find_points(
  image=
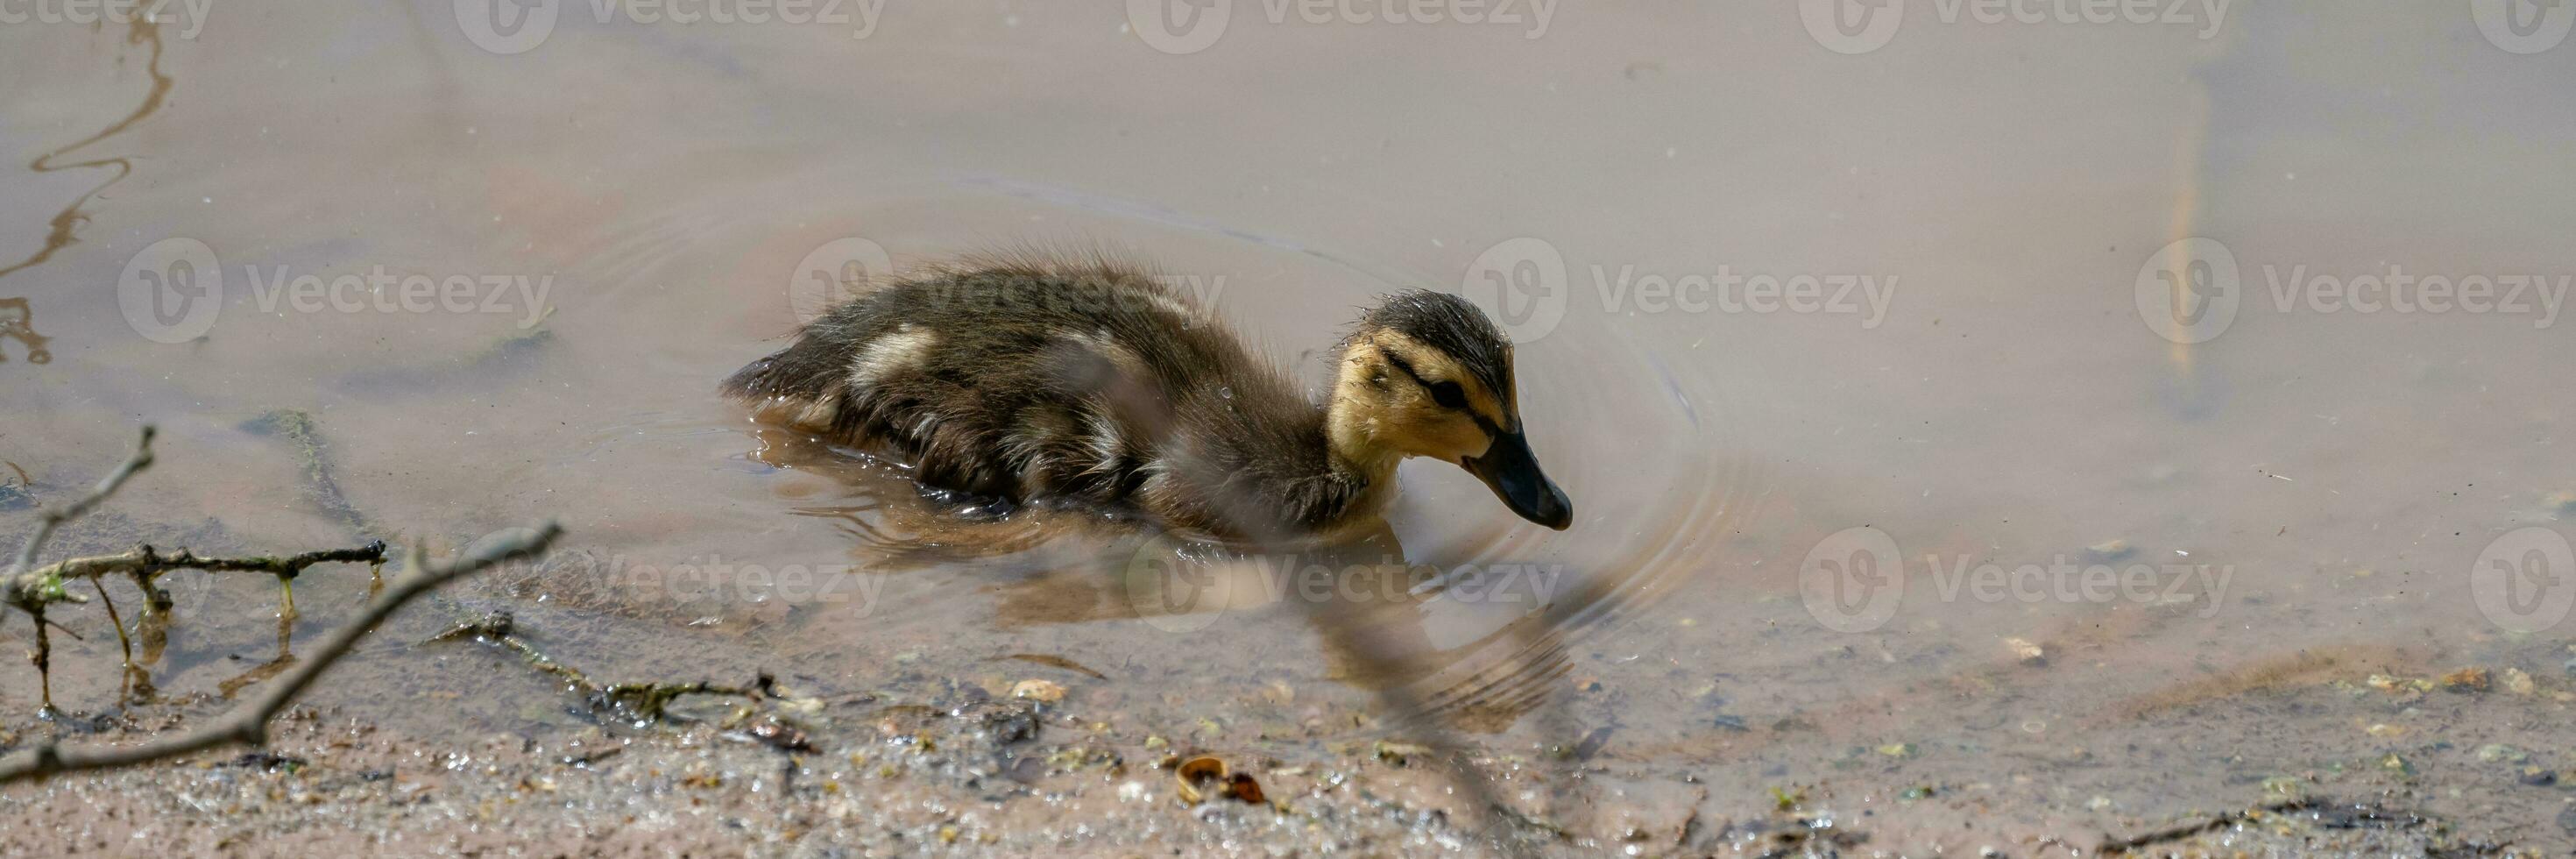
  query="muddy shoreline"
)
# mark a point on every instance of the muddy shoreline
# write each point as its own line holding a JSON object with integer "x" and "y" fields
{"x": 971, "y": 774}
{"x": 930, "y": 748}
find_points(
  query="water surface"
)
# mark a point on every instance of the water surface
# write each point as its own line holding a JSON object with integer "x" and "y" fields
{"x": 638, "y": 210}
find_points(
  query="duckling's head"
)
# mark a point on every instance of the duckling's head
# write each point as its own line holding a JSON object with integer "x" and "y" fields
{"x": 1426, "y": 374}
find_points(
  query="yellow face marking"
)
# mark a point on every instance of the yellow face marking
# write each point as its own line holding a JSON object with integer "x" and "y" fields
{"x": 1380, "y": 413}
{"x": 1436, "y": 366}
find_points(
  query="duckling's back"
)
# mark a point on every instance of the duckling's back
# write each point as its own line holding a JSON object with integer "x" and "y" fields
{"x": 1034, "y": 379}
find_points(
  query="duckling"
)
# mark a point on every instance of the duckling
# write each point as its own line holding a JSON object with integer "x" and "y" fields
{"x": 1088, "y": 381}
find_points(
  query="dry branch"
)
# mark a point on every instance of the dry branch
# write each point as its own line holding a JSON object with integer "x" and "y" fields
{"x": 249, "y": 724}
{"x": 31, "y": 593}
{"x": 52, "y": 519}
{"x": 147, "y": 561}
{"x": 32, "y": 590}
{"x": 648, "y": 701}
{"x": 29, "y": 589}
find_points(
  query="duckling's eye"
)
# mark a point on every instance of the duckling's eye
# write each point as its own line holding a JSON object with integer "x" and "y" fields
{"x": 1449, "y": 395}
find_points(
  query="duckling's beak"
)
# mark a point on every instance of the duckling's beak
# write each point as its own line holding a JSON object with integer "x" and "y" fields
{"x": 1512, "y": 471}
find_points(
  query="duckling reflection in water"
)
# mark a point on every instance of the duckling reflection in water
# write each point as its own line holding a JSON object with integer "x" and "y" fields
{"x": 1031, "y": 379}
{"x": 1369, "y": 604}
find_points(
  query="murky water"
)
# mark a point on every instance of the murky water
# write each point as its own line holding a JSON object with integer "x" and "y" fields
{"x": 631, "y": 211}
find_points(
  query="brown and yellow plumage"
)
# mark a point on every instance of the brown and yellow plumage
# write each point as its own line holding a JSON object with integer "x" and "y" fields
{"x": 1089, "y": 382}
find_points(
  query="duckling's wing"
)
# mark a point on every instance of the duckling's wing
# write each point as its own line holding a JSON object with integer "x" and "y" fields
{"x": 1095, "y": 385}
{"x": 1006, "y": 383}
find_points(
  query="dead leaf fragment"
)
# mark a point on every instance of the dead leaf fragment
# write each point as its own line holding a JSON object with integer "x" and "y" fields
{"x": 1204, "y": 770}
{"x": 1242, "y": 786}
{"x": 1194, "y": 772}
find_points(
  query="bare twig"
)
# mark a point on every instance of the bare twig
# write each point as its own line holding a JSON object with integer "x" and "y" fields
{"x": 2126, "y": 846}
{"x": 649, "y": 701}
{"x": 33, "y": 590}
{"x": 249, "y": 724}
{"x": 107, "y": 486}
{"x": 31, "y": 593}
{"x": 145, "y": 564}
{"x": 145, "y": 560}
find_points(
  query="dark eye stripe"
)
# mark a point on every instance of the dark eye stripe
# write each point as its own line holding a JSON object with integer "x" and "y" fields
{"x": 1407, "y": 366}
{"x": 1404, "y": 365}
